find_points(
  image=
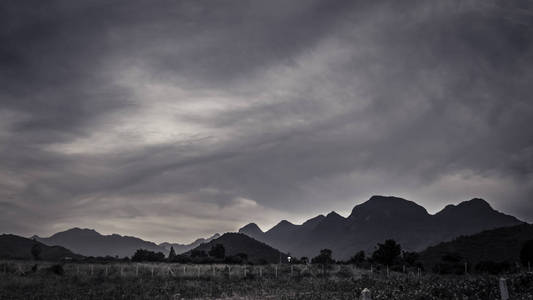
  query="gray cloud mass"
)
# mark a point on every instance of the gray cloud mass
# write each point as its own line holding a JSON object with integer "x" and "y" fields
{"x": 172, "y": 120}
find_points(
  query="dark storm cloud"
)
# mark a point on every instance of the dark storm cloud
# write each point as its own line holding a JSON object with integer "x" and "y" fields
{"x": 174, "y": 119}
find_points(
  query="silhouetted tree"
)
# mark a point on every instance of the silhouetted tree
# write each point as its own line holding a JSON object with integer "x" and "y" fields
{"x": 147, "y": 255}
{"x": 198, "y": 253}
{"x": 387, "y": 253}
{"x": 243, "y": 256}
{"x": 304, "y": 260}
{"x": 526, "y": 254}
{"x": 36, "y": 250}
{"x": 358, "y": 258}
{"x": 172, "y": 254}
{"x": 410, "y": 258}
{"x": 323, "y": 258}
{"x": 217, "y": 251}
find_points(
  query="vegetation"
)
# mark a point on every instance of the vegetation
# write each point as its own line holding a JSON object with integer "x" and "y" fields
{"x": 526, "y": 254}
{"x": 387, "y": 253}
{"x": 147, "y": 255}
{"x": 19, "y": 280}
{"x": 502, "y": 245}
{"x": 324, "y": 258}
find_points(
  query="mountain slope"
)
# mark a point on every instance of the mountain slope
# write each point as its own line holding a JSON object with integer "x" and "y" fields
{"x": 252, "y": 230}
{"x": 182, "y": 248}
{"x": 382, "y": 218}
{"x": 16, "y": 247}
{"x": 501, "y": 244}
{"x": 235, "y": 243}
{"x": 470, "y": 217}
{"x": 91, "y": 243}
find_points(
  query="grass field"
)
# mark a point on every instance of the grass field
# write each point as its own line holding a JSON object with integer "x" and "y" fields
{"x": 175, "y": 281}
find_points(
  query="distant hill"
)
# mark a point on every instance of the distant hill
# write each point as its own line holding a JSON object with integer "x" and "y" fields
{"x": 378, "y": 219}
{"x": 88, "y": 242}
{"x": 235, "y": 243}
{"x": 16, "y": 247}
{"x": 182, "y": 248}
{"x": 498, "y": 245}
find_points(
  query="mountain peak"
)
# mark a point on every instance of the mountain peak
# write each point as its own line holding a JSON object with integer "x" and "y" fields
{"x": 78, "y": 232}
{"x": 475, "y": 204}
{"x": 388, "y": 206}
{"x": 334, "y": 215}
{"x": 252, "y": 230}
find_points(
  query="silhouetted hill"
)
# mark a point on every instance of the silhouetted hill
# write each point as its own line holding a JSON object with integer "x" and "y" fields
{"x": 182, "y": 248}
{"x": 498, "y": 245}
{"x": 88, "y": 242}
{"x": 382, "y": 218}
{"x": 252, "y": 230}
{"x": 470, "y": 217}
{"x": 16, "y": 247}
{"x": 235, "y": 243}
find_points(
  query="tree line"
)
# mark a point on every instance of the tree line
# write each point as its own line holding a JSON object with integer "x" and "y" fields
{"x": 388, "y": 254}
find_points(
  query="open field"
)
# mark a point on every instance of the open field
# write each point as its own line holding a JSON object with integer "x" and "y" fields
{"x": 175, "y": 281}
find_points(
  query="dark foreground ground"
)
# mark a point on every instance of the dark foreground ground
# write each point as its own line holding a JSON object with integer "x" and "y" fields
{"x": 215, "y": 282}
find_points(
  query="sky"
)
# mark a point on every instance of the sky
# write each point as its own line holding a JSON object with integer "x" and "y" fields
{"x": 173, "y": 120}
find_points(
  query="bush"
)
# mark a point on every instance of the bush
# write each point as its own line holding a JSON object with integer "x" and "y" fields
{"x": 147, "y": 255}
{"x": 323, "y": 258}
{"x": 57, "y": 269}
{"x": 494, "y": 268}
{"x": 387, "y": 253}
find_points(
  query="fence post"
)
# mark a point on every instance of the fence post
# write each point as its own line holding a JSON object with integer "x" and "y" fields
{"x": 466, "y": 268}
{"x": 184, "y": 270}
{"x": 418, "y": 273}
{"x": 152, "y": 270}
{"x": 137, "y": 270}
{"x": 106, "y": 270}
{"x": 198, "y": 271}
{"x": 245, "y": 271}
{"x": 92, "y": 270}
{"x": 365, "y": 294}
{"x": 503, "y": 289}
{"x": 213, "y": 267}
{"x": 260, "y": 272}
{"x": 229, "y": 271}
{"x": 276, "y": 269}
{"x": 387, "y": 270}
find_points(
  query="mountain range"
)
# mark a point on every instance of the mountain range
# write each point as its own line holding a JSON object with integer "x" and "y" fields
{"x": 16, "y": 247}
{"x": 89, "y": 242}
{"x": 377, "y": 219}
{"x": 380, "y": 218}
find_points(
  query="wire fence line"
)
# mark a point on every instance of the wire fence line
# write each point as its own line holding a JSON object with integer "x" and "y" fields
{"x": 129, "y": 269}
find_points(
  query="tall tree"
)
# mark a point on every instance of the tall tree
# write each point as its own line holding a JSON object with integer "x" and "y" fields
{"x": 526, "y": 254}
{"x": 387, "y": 253}
{"x": 172, "y": 254}
{"x": 36, "y": 250}
{"x": 325, "y": 257}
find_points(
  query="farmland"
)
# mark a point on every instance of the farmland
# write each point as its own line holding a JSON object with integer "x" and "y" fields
{"x": 22, "y": 280}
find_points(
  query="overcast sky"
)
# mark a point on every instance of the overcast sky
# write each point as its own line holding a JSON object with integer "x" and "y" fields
{"x": 172, "y": 120}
